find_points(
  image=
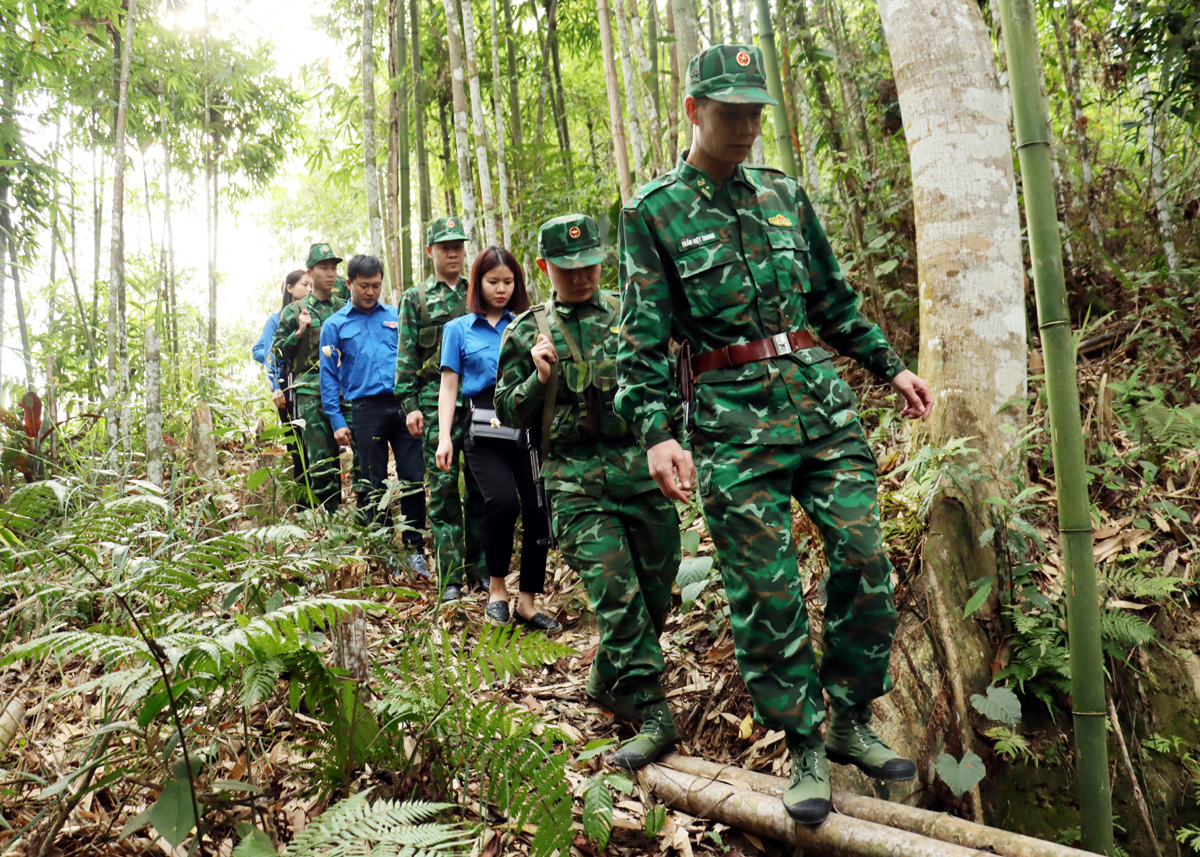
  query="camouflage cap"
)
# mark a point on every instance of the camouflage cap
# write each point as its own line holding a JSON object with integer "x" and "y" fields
{"x": 320, "y": 253}
{"x": 446, "y": 229}
{"x": 570, "y": 241}
{"x": 729, "y": 73}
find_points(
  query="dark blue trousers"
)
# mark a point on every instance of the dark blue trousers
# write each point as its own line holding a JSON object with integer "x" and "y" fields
{"x": 378, "y": 426}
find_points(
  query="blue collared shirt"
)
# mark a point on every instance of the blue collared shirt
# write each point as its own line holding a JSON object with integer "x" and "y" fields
{"x": 471, "y": 347}
{"x": 262, "y": 349}
{"x": 358, "y": 357}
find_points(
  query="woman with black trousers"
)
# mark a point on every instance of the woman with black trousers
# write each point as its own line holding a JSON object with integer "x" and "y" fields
{"x": 295, "y": 287}
{"x": 499, "y": 461}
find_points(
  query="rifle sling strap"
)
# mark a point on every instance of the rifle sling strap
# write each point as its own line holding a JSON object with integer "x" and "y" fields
{"x": 539, "y": 313}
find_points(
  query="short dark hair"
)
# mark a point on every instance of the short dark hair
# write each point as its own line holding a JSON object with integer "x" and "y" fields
{"x": 363, "y": 266}
{"x": 289, "y": 281}
{"x": 494, "y": 257}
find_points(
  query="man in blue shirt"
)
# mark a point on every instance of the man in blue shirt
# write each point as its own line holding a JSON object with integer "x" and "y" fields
{"x": 358, "y": 360}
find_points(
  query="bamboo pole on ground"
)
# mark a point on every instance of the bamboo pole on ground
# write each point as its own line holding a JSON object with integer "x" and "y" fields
{"x": 764, "y": 815}
{"x": 1062, "y": 393}
{"x": 935, "y": 825}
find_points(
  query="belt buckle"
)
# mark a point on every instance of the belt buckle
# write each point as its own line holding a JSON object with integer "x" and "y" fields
{"x": 782, "y": 344}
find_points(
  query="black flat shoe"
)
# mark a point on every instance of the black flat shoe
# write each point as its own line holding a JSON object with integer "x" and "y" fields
{"x": 497, "y": 612}
{"x": 537, "y": 622}
{"x": 451, "y": 593}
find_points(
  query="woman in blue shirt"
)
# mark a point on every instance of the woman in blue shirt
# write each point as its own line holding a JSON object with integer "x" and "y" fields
{"x": 471, "y": 352}
{"x": 295, "y": 287}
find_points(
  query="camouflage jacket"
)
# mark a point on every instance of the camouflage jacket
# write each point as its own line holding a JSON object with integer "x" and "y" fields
{"x": 592, "y": 450}
{"x": 304, "y": 351}
{"x": 725, "y": 263}
{"x": 419, "y": 355}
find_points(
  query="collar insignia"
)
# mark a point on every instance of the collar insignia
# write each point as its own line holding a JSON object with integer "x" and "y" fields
{"x": 780, "y": 220}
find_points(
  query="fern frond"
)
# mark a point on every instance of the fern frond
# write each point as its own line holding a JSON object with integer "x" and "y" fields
{"x": 95, "y": 646}
{"x": 259, "y": 680}
{"x": 131, "y": 685}
{"x": 385, "y": 827}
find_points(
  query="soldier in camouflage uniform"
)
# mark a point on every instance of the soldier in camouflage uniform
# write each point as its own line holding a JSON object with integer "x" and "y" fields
{"x": 424, "y": 311}
{"x": 297, "y": 340}
{"x": 613, "y": 525}
{"x": 732, "y": 259}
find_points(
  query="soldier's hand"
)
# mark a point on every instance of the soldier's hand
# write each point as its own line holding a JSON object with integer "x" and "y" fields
{"x": 445, "y": 454}
{"x": 672, "y": 468}
{"x": 415, "y": 422}
{"x": 278, "y": 398}
{"x": 543, "y": 355}
{"x": 342, "y": 436}
{"x": 918, "y": 401}
{"x": 304, "y": 320}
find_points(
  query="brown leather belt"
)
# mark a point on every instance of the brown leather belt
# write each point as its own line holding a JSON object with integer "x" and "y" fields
{"x": 762, "y": 349}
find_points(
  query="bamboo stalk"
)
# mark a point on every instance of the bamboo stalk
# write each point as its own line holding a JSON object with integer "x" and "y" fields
{"x": 935, "y": 825}
{"x": 783, "y": 133}
{"x": 1062, "y": 393}
{"x": 764, "y": 815}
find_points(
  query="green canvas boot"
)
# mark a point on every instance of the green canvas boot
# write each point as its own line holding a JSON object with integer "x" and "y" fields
{"x": 621, "y": 705}
{"x": 658, "y": 734}
{"x": 808, "y": 799}
{"x": 849, "y": 740}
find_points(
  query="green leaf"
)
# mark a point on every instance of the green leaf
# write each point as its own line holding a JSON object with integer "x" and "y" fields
{"x": 594, "y": 748}
{"x": 236, "y": 786}
{"x": 257, "y": 478}
{"x": 172, "y": 814}
{"x": 254, "y": 842}
{"x": 976, "y": 601}
{"x": 690, "y": 541}
{"x": 1000, "y": 704}
{"x": 597, "y": 812}
{"x": 655, "y": 819}
{"x": 135, "y": 824}
{"x": 886, "y": 267}
{"x": 962, "y": 776}
{"x": 985, "y": 538}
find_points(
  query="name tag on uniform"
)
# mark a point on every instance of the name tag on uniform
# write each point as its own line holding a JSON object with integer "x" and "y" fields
{"x": 390, "y": 324}
{"x": 697, "y": 240}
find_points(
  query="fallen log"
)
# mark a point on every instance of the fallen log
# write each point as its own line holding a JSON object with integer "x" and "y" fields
{"x": 935, "y": 825}
{"x": 764, "y": 815}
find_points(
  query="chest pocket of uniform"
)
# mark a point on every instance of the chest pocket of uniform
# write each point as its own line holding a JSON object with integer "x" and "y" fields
{"x": 577, "y": 376}
{"x": 790, "y": 253}
{"x": 707, "y": 277}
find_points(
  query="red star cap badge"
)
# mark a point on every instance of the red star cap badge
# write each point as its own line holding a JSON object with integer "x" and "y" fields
{"x": 743, "y": 58}
{"x": 450, "y": 222}
{"x": 574, "y": 232}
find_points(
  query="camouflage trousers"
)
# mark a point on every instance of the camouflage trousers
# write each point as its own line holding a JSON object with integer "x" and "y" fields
{"x": 322, "y": 455}
{"x": 626, "y": 551}
{"x": 747, "y": 492}
{"x": 456, "y": 524}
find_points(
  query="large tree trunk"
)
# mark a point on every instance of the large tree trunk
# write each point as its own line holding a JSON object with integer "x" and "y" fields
{"x": 482, "y": 143}
{"x": 1158, "y": 187}
{"x": 1079, "y": 125}
{"x": 395, "y": 34}
{"x": 424, "y": 191}
{"x": 560, "y": 98}
{"x": 746, "y": 37}
{"x": 154, "y": 435}
{"x": 370, "y": 173}
{"x": 451, "y": 207}
{"x": 641, "y": 166}
{"x": 504, "y": 239}
{"x": 403, "y": 222}
{"x": 651, "y": 75}
{"x": 673, "y": 103}
{"x": 118, "y": 369}
{"x": 642, "y": 63}
{"x": 466, "y": 182}
{"x": 970, "y": 278}
{"x": 614, "y": 100}
{"x": 514, "y": 92}
{"x": 687, "y": 45}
